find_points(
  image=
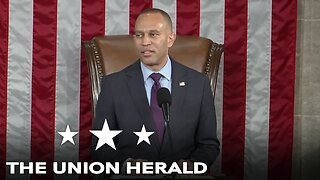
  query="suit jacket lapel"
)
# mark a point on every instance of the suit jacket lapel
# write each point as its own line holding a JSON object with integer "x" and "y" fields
{"x": 178, "y": 93}
{"x": 178, "y": 90}
{"x": 138, "y": 94}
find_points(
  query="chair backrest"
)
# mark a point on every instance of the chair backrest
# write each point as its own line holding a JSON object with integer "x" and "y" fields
{"x": 109, "y": 54}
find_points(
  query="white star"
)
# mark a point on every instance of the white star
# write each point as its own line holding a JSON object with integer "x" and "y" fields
{"x": 143, "y": 135}
{"x": 105, "y": 135}
{"x": 67, "y": 135}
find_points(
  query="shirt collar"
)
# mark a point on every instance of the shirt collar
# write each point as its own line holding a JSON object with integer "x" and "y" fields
{"x": 165, "y": 71}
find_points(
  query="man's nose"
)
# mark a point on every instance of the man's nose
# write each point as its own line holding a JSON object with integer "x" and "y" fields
{"x": 146, "y": 40}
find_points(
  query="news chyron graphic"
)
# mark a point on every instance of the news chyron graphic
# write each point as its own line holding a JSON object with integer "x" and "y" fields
{"x": 105, "y": 137}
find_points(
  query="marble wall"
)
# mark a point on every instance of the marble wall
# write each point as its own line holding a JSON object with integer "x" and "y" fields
{"x": 306, "y": 150}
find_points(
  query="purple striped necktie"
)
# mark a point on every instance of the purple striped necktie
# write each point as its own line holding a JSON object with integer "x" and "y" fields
{"x": 155, "y": 109}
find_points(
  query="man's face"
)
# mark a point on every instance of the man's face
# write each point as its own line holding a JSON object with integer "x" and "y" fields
{"x": 153, "y": 37}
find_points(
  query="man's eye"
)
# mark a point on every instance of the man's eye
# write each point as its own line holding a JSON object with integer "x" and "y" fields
{"x": 153, "y": 34}
{"x": 138, "y": 35}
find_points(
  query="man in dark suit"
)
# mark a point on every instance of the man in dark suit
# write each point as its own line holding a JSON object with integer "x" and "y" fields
{"x": 126, "y": 100}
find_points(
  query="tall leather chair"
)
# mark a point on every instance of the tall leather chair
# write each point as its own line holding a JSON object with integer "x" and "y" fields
{"x": 109, "y": 54}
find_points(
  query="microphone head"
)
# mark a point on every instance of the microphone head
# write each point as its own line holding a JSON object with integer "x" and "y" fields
{"x": 163, "y": 96}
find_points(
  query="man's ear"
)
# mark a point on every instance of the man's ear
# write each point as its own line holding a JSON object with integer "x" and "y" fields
{"x": 171, "y": 39}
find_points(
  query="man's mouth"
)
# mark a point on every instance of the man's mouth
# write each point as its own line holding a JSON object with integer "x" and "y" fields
{"x": 147, "y": 52}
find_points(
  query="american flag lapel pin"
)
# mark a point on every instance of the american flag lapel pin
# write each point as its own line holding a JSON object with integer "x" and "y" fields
{"x": 182, "y": 83}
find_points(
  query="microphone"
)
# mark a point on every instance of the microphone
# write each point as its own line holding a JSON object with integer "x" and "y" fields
{"x": 164, "y": 101}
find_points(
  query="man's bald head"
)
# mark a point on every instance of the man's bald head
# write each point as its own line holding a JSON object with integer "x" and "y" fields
{"x": 164, "y": 14}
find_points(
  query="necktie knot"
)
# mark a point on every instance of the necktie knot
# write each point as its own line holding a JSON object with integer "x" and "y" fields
{"x": 156, "y": 77}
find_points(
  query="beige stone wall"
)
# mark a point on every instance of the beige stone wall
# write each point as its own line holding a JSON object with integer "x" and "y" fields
{"x": 306, "y": 155}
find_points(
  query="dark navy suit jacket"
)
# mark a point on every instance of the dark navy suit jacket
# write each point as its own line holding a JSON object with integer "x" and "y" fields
{"x": 123, "y": 102}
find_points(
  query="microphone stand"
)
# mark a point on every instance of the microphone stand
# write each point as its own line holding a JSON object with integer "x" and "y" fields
{"x": 166, "y": 115}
